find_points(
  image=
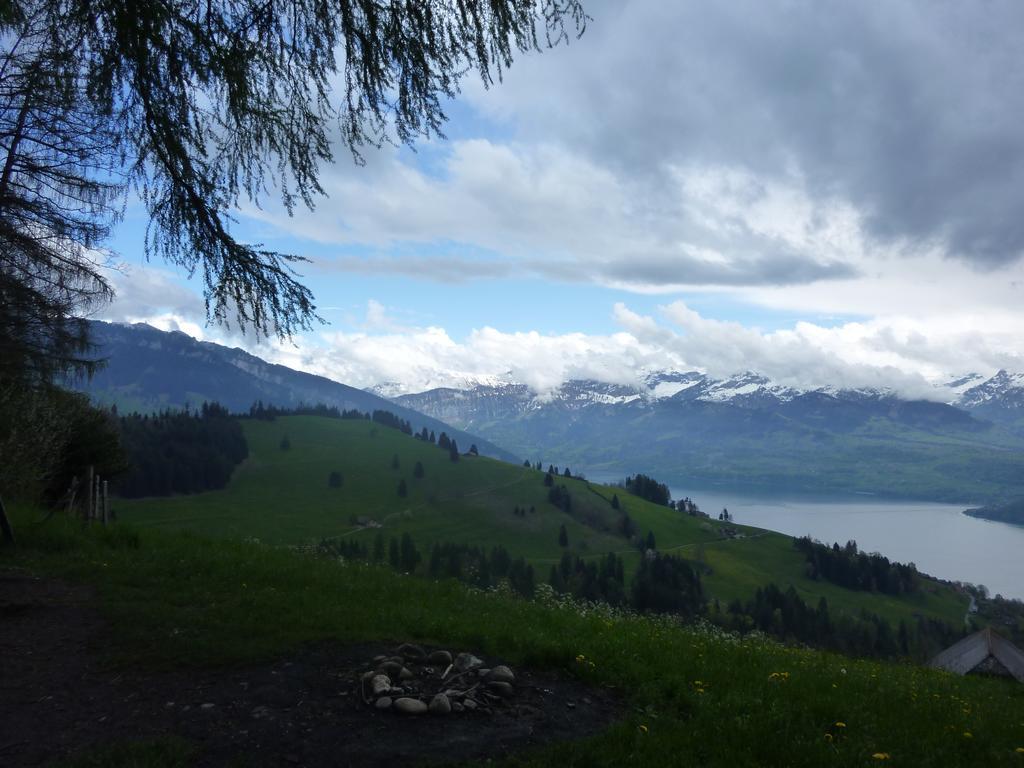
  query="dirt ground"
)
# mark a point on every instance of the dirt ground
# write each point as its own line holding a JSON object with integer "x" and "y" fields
{"x": 58, "y": 699}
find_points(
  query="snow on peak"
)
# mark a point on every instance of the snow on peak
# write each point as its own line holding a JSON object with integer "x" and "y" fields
{"x": 1004, "y": 388}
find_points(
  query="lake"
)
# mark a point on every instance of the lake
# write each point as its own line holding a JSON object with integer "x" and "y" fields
{"x": 938, "y": 538}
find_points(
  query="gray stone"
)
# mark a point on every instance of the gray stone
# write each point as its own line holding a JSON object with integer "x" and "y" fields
{"x": 469, "y": 704}
{"x": 501, "y": 674}
{"x": 380, "y": 684}
{"x": 441, "y": 658}
{"x": 410, "y": 706}
{"x": 467, "y": 661}
{"x": 379, "y": 659}
{"x": 405, "y": 674}
{"x": 384, "y": 702}
{"x": 410, "y": 651}
{"x": 457, "y": 707}
{"x": 439, "y": 705}
{"x": 391, "y": 669}
{"x": 505, "y": 690}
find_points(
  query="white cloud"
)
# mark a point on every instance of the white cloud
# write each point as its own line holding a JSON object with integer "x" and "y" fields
{"x": 148, "y": 292}
{"x": 546, "y": 211}
{"x": 898, "y": 353}
{"x": 901, "y": 351}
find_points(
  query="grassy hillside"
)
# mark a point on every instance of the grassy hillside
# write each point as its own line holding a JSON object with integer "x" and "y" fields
{"x": 692, "y": 696}
{"x": 282, "y": 497}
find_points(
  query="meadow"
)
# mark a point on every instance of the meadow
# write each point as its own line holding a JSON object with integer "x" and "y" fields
{"x": 282, "y": 497}
{"x": 693, "y": 695}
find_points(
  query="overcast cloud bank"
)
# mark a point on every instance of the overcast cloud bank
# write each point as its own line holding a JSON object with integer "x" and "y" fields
{"x": 851, "y": 160}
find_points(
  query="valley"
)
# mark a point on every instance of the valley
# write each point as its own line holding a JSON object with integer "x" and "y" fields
{"x": 511, "y": 383}
{"x": 282, "y": 497}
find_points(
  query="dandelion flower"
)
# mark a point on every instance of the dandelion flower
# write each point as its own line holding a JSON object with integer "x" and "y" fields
{"x": 881, "y": 755}
{"x": 840, "y": 724}
{"x": 968, "y": 735}
{"x": 642, "y": 728}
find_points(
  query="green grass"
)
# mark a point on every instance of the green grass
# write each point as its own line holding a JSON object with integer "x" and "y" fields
{"x": 282, "y": 497}
{"x": 694, "y": 696}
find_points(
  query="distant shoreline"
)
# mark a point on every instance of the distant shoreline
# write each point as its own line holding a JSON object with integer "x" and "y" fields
{"x": 1007, "y": 512}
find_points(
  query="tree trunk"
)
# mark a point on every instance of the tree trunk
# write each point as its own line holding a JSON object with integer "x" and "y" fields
{"x": 6, "y": 532}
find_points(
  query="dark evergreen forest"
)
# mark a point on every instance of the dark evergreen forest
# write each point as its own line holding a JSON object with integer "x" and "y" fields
{"x": 848, "y": 567}
{"x": 180, "y": 451}
{"x": 648, "y": 488}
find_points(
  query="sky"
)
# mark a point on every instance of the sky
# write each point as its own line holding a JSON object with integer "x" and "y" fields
{"x": 827, "y": 194}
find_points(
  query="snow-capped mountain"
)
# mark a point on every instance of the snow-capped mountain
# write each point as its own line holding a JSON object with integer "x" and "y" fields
{"x": 747, "y": 429}
{"x": 954, "y": 389}
{"x": 1004, "y": 391}
{"x": 495, "y": 401}
{"x": 749, "y": 390}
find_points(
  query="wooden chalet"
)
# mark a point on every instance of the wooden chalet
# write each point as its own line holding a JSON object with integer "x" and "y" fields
{"x": 984, "y": 652}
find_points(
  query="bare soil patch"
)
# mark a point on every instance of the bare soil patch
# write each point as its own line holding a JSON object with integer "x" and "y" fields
{"x": 58, "y": 698}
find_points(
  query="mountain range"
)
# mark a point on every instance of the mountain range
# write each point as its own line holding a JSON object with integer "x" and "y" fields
{"x": 996, "y": 398}
{"x": 148, "y": 369}
{"x": 684, "y": 427}
{"x": 693, "y": 429}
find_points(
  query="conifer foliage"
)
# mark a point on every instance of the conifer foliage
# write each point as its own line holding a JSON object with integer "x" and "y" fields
{"x": 648, "y": 488}
{"x": 180, "y": 451}
{"x": 201, "y": 108}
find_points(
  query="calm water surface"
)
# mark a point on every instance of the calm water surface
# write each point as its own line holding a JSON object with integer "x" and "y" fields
{"x": 938, "y": 538}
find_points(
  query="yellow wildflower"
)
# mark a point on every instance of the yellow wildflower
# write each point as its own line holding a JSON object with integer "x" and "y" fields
{"x": 881, "y": 755}
{"x": 1019, "y": 750}
{"x": 840, "y": 724}
{"x": 968, "y": 735}
{"x": 642, "y": 728}
{"x": 828, "y": 737}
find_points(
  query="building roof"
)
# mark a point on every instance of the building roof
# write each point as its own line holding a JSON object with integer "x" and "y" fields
{"x": 975, "y": 649}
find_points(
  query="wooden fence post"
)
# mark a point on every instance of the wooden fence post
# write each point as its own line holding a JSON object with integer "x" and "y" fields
{"x": 90, "y": 494}
{"x": 106, "y": 503}
{"x": 72, "y": 492}
{"x": 6, "y": 532}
